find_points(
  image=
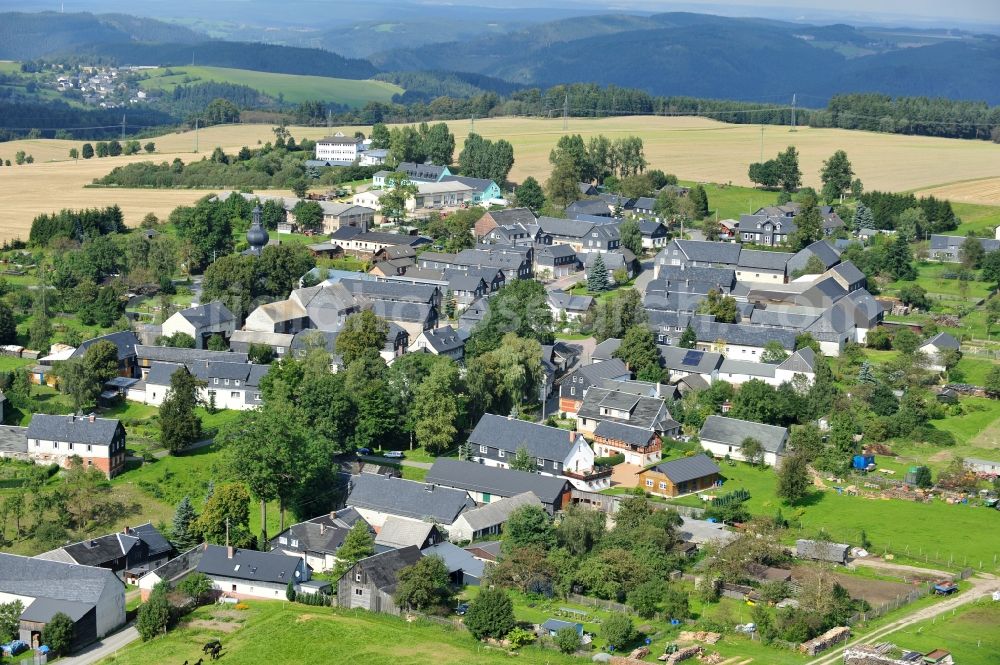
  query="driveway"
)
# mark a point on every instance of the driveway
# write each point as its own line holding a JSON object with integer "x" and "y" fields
{"x": 982, "y": 586}
{"x": 645, "y": 277}
{"x": 109, "y": 646}
{"x": 564, "y": 283}
{"x": 625, "y": 475}
{"x": 377, "y": 459}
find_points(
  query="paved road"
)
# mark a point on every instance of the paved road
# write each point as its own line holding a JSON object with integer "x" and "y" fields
{"x": 388, "y": 460}
{"x": 982, "y": 585}
{"x": 107, "y": 647}
{"x": 645, "y": 277}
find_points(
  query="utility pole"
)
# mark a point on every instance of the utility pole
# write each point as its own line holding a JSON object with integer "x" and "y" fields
{"x": 329, "y": 117}
{"x": 196, "y": 134}
{"x": 472, "y": 123}
{"x": 123, "y": 126}
{"x": 566, "y": 113}
{"x": 762, "y": 143}
{"x": 227, "y": 532}
{"x": 793, "y": 113}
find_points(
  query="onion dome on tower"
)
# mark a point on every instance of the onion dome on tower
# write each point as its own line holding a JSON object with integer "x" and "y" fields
{"x": 257, "y": 236}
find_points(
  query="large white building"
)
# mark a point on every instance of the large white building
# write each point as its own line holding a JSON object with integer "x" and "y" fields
{"x": 339, "y": 148}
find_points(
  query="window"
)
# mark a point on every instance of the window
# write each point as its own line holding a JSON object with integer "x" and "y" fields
{"x": 295, "y": 542}
{"x": 483, "y": 449}
{"x": 540, "y": 461}
{"x": 256, "y": 396}
{"x": 37, "y": 443}
{"x": 237, "y": 382}
{"x": 55, "y": 445}
{"x": 572, "y": 390}
{"x": 282, "y": 540}
{"x": 89, "y": 447}
{"x": 234, "y": 394}
{"x": 215, "y": 381}
{"x": 500, "y": 453}
{"x": 359, "y": 591}
{"x": 227, "y": 382}
{"x": 357, "y": 577}
{"x": 663, "y": 485}
{"x": 234, "y": 588}
{"x": 649, "y": 482}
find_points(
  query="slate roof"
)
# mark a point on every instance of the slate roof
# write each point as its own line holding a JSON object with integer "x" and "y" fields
{"x": 942, "y": 341}
{"x": 250, "y": 565}
{"x": 802, "y": 361}
{"x": 645, "y": 412}
{"x": 698, "y": 362}
{"x": 823, "y": 551}
{"x": 407, "y": 498}
{"x": 607, "y": 369}
{"x": 596, "y": 207}
{"x": 95, "y": 551}
{"x": 210, "y": 314}
{"x": 172, "y": 354}
{"x": 74, "y": 429}
{"x": 388, "y": 290}
{"x": 497, "y": 512}
{"x": 849, "y": 272}
{"x": 755, "y": 258}
{"x": 421, "y": 171}
{"x": 686, "y": 468}
{"x": 125, "y": 341}
{"x": 573, "y": 303}
{"x": 784, "y": 318}
{"x": 727, "y": 253}
{"x": 521, "y": 216}
{"x": 414, "y": 312}
{"x": 566, "y": 228}
{"x": 42, "y": 578}
{"x": 382, "y": 570}
{"x": 748, "y": 367}
{"x": 397, "y": 532}
{"x": 477, "y": 184}
{"x": 509, "y": 434}
{"x": 606, "y": 349}
{"x": 732, "y": 431}
{"x": 43, "y": 609}
{"x": 444, "y": 339}
{"x": 455, "y": 559}
{"x": 955, "y": 242}
{"x": 323, "y": 534}
{"x": 822, "y": 250}
{"x": 678, "y": 275}
{"x": 156, "y": 543}
{"x": 249, "y": 373}
{"x": 741, "y": 334}
{"x": 13, "y": 439}
{"x": 474, "y": 477}
{"x": 636, "y": 437}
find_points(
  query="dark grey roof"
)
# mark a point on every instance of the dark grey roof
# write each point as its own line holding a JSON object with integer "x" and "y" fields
{"x": 521, "y": 216}
{"x": 644, "y": 203}
{"x": 407, "y": 498}
{"x": 160, "y": 373}
{"x": 687, "y": 468}
{"x": 43, "y": 609}
{"x": 677, "y": 276}
{"x": 567, "y": 228}
{"x": 323, "y": 534}
{"x": 595, "y": 207}
{"x": 391, "y": 290}
{"x": 172, "y": 354}
{"x": 777, "y": 317}
{"x": 125, "y": 342}
{"x": 955, "y": 242}
{"x": 251, "y": 565}
{"x": 677, "y": 358}
{"x": 477, "y": 184}
{"x": 802, "y": 361}
{"x": 636, "y": 437}
{"x": 496, "y": 513}
{"x": 96, "y": 551}
{"x": 606, "y": 349}
{"x": 743, "y": 335}
{"x": 849, "y": 272}
{"x": 398, "y": 532}
{"x": 732, "y": 431}
{"x": 444, "y": 339}
{"x": 42, "y": 578}
{"x": 471, "y": 476}
{"x": 13, "y": 439}
{"x": 155, "y": 541}
{"x": 74, "y": 429}
{"x": 645, "y": 412}
{"x": 755, "y": 258}
{"x": 554, "y": 251}
{"x": 456, "y": 559}
{"x": 607, "y": 369}
{"x": 943, "y": 341}
{"x": 382, "y": 570}
{"x": 562, "y": 300}
{"x": 391, "y": 310}
{"x": 249, "y": 373}
{"x": 416, "y": 171}
{"x": 208, "y": 314}
{"x": 509, "y": 434}
{"x": 820, "y": 550}
{"x": 726, "y": 253}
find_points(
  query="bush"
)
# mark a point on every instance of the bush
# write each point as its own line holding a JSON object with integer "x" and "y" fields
{"x": 58, "y": 634}
{"x": 567, "y": 639}
{"x": 491, "y": 614}
{"x": 609, "y": 461}
{"x": 520, "y": 637}
{"x": 618, "y": 630}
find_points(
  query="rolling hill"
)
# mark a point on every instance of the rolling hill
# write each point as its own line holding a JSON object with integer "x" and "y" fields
{"x": 713, "y": 56}
{"x": 290, "y": 87}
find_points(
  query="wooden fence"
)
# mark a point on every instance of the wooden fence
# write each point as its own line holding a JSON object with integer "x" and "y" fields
{"x": 609, "y": 605}
{"x": 894, "y": 604}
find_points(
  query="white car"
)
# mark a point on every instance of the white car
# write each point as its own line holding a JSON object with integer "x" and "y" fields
{"x": 394, "y": 454}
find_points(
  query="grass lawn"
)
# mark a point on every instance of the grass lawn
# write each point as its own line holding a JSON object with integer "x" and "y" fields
{"x": 8, "y": 363}
{"x": 930, "y": 277}
{"x": 280, "y": 633}
{"x": 980, "y": 219}
{"x": 969, "y": 633}
{"x": 901, "y": 527}
{"x": 731, "y": 201}
{"x": 295, "y": 88}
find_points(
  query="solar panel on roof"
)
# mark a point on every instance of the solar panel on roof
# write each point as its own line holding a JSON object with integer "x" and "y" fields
{"x": 692, "y": 358}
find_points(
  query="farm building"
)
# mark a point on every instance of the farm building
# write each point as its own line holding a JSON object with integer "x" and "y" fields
{"x": 723, "y": 437}
{"x": 463, "y": 567}
{"x": 371, "y": 583}
{"x": 239, "y": 573}
{"x": 679, "y": 476}
{"x": 820, "y": 551}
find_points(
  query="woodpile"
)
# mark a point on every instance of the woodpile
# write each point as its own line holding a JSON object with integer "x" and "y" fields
{"x": 713, "y": 658}
{"x": 830, "y": 638}
{"x": 681, "y": 654}
{"x": 699, "y": 636}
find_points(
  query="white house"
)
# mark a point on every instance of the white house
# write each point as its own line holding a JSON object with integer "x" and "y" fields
{"x": 936, "y": 346}
{"x": 723, "y": 437}
{"x": 229, "y": 385}
{"x": 376, "y": 498}
{"x": 557, "y": 452}
{"x": 239, "y": 573}
{"x": 201, "y": 322}
{"x": 339, "y": 148}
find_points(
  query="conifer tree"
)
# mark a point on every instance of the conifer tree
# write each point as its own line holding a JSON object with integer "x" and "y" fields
{"x": 181, "y": 532}
{"x": 597, "y": 279}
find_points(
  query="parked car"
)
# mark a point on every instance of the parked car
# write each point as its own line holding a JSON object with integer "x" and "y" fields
{"x": 364, "y": 451}
{"x": 462, "y": 609}
{"x": 394, "y": 454}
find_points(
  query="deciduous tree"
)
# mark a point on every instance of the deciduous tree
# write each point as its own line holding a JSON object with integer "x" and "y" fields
{"x": 793, "y": 478}
{"x": 180, "y": 426}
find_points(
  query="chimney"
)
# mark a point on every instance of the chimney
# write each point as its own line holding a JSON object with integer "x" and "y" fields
{"x": 91, "y": 418}
{"x": 572, "y": 437}
{"x": 322, "y": 528}
{"x": 229, "y": 552}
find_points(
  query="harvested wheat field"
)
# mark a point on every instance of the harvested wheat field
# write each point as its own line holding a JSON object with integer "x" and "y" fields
{"x": 692, "y": 148}
{"x": 982, "y": 190}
